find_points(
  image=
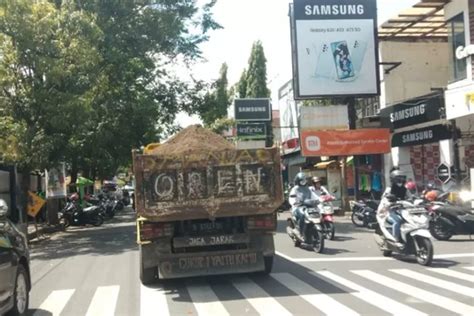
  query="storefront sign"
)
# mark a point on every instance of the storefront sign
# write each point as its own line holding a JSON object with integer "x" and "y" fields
{"x": 444, "y": 172}
{"x": 413, "y": 112}
{"x": 324, "y": 117}
{"x": 421, "y": 136}
{"x": 464, "y": 52}
{"x": 345, "y": 143}
{"x": 252, "y": 130}
{"x": 253, "y": 110}
{"x": 334, "y": 47}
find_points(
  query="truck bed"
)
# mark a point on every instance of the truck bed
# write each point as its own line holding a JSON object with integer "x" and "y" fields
{"x": 208, "y": 185}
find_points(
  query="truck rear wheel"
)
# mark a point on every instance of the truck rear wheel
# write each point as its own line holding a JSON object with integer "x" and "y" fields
{"x": 268, "y": 261}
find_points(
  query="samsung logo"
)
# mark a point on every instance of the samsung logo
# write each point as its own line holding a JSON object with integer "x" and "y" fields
{"x": 408, "y": 113}
{"x": 417, "y": 136}
{"x": 335, "y": 9}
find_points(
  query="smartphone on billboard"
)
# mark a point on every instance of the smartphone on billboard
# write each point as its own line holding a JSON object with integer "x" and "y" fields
{"x": 342, "y": 60}
{"x": 324, "y": 62}
{"x": 358, "y": 50}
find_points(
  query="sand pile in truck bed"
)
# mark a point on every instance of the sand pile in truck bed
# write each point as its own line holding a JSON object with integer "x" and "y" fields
{"x": 193, "y": 139}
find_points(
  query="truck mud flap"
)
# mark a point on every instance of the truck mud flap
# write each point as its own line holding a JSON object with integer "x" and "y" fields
{"x": 185, "y": 265}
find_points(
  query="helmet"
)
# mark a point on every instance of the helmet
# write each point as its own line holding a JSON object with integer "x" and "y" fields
{"x": 300, "y": 179}
{"x": 411, "y": 186}
{"x": 431, "y": 195}
{"x": 397, "y": 178}
{"x": 316, "y": 179}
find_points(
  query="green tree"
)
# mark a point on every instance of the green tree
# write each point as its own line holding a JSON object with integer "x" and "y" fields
{"x": 217, "y": 100}
{"x": 242, "y": 85}
{"x": 256, "y": 74}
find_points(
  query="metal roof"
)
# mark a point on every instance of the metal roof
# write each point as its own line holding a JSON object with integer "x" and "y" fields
{"x": 424, "y": 21}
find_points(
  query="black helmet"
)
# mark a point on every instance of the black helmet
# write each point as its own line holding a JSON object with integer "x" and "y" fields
{"x": 398, "y": 178}
{"x": 300, "y": 179}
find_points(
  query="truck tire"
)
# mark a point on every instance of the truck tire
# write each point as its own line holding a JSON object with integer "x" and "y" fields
{"x": 268, "y": 261}
{"x": 147, "y": 275}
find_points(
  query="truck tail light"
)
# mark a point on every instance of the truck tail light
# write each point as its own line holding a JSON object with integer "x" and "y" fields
{"x": 262, "y": 222}
{"x": 150, "y": 231}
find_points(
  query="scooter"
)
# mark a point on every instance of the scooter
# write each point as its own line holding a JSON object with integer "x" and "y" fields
{"x": 448, "y": 220}
{"x": 313, "y": 236}
{"x": 364, "y": 212}
{"x": 73, "y": 215}
{"x": 415, "y": 237}
{"x": 327, "y": 210}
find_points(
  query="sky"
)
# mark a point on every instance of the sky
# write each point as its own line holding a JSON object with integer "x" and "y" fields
{"x": 246, "y": 21}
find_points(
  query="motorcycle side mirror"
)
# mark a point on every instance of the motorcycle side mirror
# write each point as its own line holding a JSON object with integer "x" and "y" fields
{"x": 391, "y": 198}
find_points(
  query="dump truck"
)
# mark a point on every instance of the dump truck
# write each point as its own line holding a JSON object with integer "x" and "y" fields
{"x": 204, "y": 207}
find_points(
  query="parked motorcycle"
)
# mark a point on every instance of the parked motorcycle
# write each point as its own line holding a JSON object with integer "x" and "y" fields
{"x": 326, "y": 208}
{"x": 364, "y": 212}
{"x": 73, "y": 215}
{"x": 415, "y": 237}
{"x": 312, "y": 235}
{"x": 448, "y": 220}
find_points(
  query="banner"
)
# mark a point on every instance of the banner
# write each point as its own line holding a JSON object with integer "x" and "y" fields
{"x": 56, "y": 182}
{"x": 35, "y": 203}
{"x": 425, "y": 135}
{"x": 335, "y": 50}
{"x": 332, "y": 117}
{"x": 253, "y": 110}
{"x": 345, "y": 143}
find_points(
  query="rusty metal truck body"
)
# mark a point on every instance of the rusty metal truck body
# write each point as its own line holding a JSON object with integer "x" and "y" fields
{"x": 206, "y": 213}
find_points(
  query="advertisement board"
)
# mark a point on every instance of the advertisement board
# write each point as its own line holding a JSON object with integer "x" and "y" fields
{"x": 288, "y": 118}
{"x": 56, "y": 182}
{"x": 335, "y": 50}
{"x": 425, "y": 135}
{"x": 332, "y": 117}
{"x": 252, "y": 130}
{"x": 253, "y": 110}
{"x": 345, "y": 143}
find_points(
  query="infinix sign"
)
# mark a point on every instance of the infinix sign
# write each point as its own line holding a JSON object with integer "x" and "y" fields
{"x": 464, "y": 52}
{"x": 336, "y": 9}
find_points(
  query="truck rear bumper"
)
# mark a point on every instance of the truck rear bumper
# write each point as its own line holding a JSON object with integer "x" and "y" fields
{"x": 210, "y": 262}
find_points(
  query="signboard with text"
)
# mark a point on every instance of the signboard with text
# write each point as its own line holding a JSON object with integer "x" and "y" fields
{"x": 335, "y": 50}
{"x": 345, "y": 143}
{"x": 252, "y": 130}
{"x": 425, "y": 135}
{"x": 253, "y": 110}
{"x": 332, "y": 117}
{"x": 444, "y": 172}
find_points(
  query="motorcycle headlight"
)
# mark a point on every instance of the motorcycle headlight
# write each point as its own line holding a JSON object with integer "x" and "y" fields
{"x": 327, "y": 209}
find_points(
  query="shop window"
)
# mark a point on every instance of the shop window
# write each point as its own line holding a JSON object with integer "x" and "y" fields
{"x": 456, "y": 38}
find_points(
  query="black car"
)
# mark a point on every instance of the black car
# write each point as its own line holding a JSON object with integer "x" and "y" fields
{"x": 15, "y": 282}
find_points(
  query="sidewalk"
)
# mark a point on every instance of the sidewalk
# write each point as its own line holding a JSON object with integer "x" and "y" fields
{"x": 43, "y": 229}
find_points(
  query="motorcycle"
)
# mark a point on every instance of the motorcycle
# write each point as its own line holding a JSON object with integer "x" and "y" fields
{"x": 327, "y": 210}
{"x": 415, "y": 237}
{"x": 313, "y": 236}
{"x": 448, "y": 220}
{"x": 364, "y": 212}
{"x": 72, "y": 214}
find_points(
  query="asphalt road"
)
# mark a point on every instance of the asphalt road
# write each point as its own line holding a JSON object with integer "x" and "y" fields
{"x": 94, "y": 271}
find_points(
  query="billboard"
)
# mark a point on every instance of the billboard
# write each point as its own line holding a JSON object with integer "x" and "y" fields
{"x": 288, "y": 118}
{"x": 253, "y": 110}
{"x": 252, "y": 130}
{"x": 335, "y": 50}
{"x": 345, "y": 143}
{"x": 332, "y": 117}
{"x": 56, "y": 182}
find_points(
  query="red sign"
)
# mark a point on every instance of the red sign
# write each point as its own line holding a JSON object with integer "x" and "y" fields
{"x": 345, "y": 143}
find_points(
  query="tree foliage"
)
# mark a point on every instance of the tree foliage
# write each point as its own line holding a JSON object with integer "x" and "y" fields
{"x": 254, "y": 80}
{"x": 86, "y": 81}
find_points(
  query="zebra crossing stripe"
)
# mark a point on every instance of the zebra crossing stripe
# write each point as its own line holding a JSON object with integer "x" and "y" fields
{"x": 453, "y": 287}
{"x": 454, "y": 274}
{"x": 323, "y": 302}
{"x": 469, "y": 268}
{"x": 416, "y": 292}
{"x": 104, "y": 301}
{"x": 205, "y": 301}
{"x": 373, "y": 298}
{"x": 153, "y": 300}
{"x": 258, "y": 298}
{"x": 55, "y": 302}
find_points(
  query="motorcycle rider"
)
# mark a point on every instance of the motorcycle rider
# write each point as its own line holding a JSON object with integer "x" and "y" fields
{"x": 300, "y": 195}
{"x": 396, "y": 191}
{"x": 317, "y": 189}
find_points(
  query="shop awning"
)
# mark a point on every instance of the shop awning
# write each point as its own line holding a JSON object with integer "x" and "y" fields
{"x": 324, "y": 164}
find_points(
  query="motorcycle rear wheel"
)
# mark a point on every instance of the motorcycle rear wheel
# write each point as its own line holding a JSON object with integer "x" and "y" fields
{"x": 438, "y": 231}
{"x": 97, "y": 220}
{"x": 318, "y": 241}
{"x": 356, "y": 221}
{"x": 424, "y": 255}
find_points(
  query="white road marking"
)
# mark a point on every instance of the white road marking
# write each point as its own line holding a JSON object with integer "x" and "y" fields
{"x": 55, "y": 302}
{"x": 469, "y": 268}
{"x": 353, "y": 259}
{"x": 205, "y": 301}
{"x": 323, "y": 302}
{"x": 454, "y": 274}
{"x": 373, "y": 298}
{"x": 453, "y": 287}
{"x": 259, "y": 299}
{"x": 416, "y": 292}
{"x": 104, "y": 301}
{"x": 153, "y": 302}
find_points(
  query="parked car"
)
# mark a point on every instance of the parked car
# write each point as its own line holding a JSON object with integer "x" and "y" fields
{"x": 15, "y": 281}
